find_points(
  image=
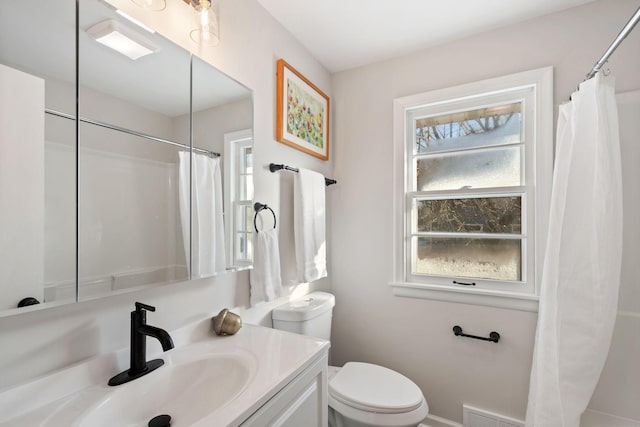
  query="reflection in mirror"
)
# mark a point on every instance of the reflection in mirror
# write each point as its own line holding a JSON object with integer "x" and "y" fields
{"x": 130, "y": 234}
{"x": 238, "y": 192}
{"x": 37, "y": 182}
{"x": 134, "y": 128}
{"x": 129, "y": 230}
{"x": 142, "y": 94}
{"x": 221, "y": 106}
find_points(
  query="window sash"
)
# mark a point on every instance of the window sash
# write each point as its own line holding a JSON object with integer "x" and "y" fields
{"x": 523, "y": 95}
{"x": 412, "y": 233}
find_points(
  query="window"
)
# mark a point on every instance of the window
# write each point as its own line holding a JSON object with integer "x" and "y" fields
{"x": 239, "y": 193}
{"x": 473, "y": 173}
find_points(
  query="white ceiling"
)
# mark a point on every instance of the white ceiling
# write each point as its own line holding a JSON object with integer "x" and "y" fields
{"x": 344, "y": 34}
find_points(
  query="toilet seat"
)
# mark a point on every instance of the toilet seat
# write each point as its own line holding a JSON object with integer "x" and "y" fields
{"x": 375, "y": 389}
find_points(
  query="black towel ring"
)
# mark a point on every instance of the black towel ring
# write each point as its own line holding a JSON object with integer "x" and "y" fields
{"x": 260, "y": 207}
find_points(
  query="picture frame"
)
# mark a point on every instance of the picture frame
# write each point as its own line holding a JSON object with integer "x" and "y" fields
{"x": 302, "y": 113}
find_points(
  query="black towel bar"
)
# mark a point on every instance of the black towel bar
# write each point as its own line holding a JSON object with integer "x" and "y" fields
{"x": 274, "y": 168}
{"x": 493, "y": 336}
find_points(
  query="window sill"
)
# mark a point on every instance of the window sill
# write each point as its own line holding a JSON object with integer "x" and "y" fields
{"x": 508, "y": 300}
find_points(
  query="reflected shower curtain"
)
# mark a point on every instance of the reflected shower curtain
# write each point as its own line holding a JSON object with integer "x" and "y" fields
{"x": 581, "y": 273}
{"x": 207, "y": 224}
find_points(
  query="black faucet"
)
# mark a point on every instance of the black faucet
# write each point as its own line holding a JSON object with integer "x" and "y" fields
{"x": 138, "y": 359}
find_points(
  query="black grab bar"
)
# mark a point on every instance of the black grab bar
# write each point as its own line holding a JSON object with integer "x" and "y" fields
{"x": 493, "y": 336}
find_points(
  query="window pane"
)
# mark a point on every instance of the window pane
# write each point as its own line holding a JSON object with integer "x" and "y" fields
{"x": 245, "y": 187}
{"x": 473, "y": 215}
{"x": 249, "y": 219}
{"x": 492, "y": 168}
{"x": 497, "y": 259}
{"x": 469, "y": 129}
{"x": 247, "y": 161}
{"x": 244, "y": 218}
{"x": 244, "y": 247}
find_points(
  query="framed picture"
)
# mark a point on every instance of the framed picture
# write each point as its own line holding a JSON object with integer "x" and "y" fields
{"x": 302, "y": 113}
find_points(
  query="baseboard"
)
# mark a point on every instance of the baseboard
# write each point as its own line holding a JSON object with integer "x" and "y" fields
{"x": 592, "y": 418}
{"x": 435, "y": 421}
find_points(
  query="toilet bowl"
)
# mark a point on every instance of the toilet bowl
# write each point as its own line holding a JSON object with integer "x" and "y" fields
{"x": 360, "y": 394}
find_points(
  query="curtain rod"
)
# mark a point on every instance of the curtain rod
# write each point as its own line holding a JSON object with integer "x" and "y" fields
{"x": 129, "y": 132}
{"x": 623, "y": 34}
{"x": 274, "y": 168}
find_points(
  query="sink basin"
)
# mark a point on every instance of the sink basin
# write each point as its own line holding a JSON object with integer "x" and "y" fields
{"x": 206, "y": 381}
{"x": 185, "y": 390}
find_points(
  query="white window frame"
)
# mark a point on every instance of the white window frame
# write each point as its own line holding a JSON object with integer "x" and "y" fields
{"x": 233, "y": 142}
{"x": 535, "y": 89}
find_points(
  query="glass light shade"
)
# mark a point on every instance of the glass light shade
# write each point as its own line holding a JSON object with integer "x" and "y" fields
{"x": 206, "y": 29}
{"x": 153, "y": 5}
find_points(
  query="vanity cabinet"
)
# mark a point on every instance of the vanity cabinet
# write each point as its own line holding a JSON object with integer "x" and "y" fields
{"x": 302, "y": 402}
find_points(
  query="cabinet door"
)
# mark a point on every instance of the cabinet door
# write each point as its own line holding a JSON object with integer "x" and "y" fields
{"x": 303, "y": 402}
{"x": 303, "y": 411}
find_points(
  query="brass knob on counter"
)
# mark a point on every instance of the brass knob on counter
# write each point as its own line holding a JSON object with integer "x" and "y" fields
{"x": 226, "y": 323}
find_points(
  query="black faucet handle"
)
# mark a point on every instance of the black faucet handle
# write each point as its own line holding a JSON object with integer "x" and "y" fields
{"x": 140, "y": 306}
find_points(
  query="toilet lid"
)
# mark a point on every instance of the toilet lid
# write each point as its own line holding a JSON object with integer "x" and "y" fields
{"x": 374, "y": 388}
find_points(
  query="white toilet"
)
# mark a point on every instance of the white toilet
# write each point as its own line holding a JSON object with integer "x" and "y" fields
{"x": 360, "y": 394}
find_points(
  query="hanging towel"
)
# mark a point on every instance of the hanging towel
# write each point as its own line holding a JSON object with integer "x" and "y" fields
{"x": 309, "y": 225}
{"x": 266, "y": 284}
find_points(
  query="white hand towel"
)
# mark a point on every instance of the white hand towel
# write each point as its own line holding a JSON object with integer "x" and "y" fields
{"x": 266, "y": 284}
{"x": 309, "y": 225}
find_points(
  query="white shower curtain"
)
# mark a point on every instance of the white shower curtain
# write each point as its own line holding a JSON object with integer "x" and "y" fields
{"x": 581, "y": 273}
{"x": 207, "y": 224}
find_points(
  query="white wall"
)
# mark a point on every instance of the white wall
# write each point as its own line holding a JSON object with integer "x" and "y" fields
{"x": 21, "y": 187}
{"x": 210, "y": 125}
{"x": 37, "y": 342}
{"x": 414, "y": 336}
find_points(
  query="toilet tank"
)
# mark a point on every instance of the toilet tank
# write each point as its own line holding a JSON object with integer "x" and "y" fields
{"x": 309, "y": 315}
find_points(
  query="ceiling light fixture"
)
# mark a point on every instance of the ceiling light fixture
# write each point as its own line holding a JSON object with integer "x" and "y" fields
{"x": 153, "y": 5}
{"x": 114, "y": 35}
{"x": 206, "y": 23}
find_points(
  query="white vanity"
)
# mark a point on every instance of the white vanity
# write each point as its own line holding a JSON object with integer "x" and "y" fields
{"x": 258, "y": 377}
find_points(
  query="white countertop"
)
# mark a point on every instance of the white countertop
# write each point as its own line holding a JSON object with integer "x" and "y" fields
{"x": 65, "y": 396}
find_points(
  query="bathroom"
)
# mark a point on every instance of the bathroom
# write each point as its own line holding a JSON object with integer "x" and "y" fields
{"x": 371, "y": 323}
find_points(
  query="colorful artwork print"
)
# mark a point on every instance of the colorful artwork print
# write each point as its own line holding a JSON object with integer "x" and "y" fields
{"x": 305, "y": 115}
{"x": 302, "y": 113}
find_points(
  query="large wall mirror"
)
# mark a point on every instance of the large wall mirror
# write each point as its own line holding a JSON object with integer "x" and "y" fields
{"x": 152, "y": 185}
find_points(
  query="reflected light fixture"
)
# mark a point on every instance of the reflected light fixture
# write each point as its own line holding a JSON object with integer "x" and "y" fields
{"x": 206, "y": 26}
{"x": 153, "y": 5}
{"x": 114, "y": 35}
